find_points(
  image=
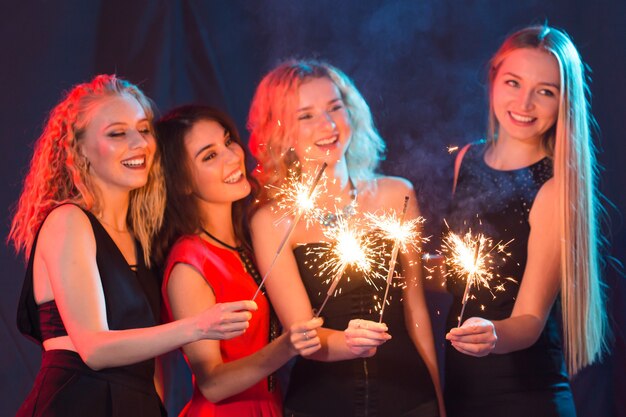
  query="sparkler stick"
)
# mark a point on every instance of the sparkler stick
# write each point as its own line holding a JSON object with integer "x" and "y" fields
{"x": 332, "y": 288}
{"x": 291, "y": 229}
{"x": 394, "y": 256}
{"x": 472, "y": 256}
{"x": 470, "y": 280}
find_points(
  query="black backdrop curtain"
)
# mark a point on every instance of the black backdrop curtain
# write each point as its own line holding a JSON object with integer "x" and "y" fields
{"x": 420, "y": 65}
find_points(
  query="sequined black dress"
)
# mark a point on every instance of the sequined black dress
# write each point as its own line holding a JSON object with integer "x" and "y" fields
{"x": 394, "y": 382}
{"x": 530, "y": 382}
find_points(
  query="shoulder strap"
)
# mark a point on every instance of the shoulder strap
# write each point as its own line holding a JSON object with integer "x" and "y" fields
{"x": 457, "y": 164}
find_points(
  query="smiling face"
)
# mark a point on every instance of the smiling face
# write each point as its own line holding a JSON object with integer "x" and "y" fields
{"x": 216, "y": 164}
{"x": 324, "y": 129}
{"x": 119, "y": 144}
{"x": 525, "y": 95}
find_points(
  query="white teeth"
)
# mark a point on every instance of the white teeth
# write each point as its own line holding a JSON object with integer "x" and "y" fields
{"x": 327, "y": 141}
{"x": 133, "y": 163}
{"x": 234, "y": 177}
{"x": 520, "y": 118}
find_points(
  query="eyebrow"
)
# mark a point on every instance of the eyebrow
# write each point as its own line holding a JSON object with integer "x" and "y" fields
{"x": 330, "y": 102}
{"x": 210, "y": 145}
{"x": 125, "y": 124}
{"x": 204, "y": 148}
{"x": 542, "y": 83}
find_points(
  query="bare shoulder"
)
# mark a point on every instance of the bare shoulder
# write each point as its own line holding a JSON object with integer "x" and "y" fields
{"x": 63, "y": 219}
{"x": 545, "y": 202}
{"x": 263, "y": 216}
{"x": 393, "y": 186}
{"x": 67, "y": 229}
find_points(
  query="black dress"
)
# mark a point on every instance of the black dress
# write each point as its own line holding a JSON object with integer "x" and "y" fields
{"x": 65, "y": 385}
{"x": 394, "y": 382}
{"x": 529, "y": 382}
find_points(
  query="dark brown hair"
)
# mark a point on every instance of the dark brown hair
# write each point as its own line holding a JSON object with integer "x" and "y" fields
{"x": 182, "y": 213}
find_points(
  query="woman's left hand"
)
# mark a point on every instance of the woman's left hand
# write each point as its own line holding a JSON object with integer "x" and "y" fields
{"x": 476, "y": 337}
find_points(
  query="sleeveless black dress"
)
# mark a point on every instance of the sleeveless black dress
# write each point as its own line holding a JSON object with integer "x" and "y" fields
{"x": 530, "y": 382}
{"x": 394, "y": 382}
{"x": 65, "y": 385}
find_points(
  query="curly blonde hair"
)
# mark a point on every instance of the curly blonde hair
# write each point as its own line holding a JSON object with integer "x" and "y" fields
{"x": 272, "y": 123}
{"x": 570, "y": 145}
{"x": 59, "y": 173}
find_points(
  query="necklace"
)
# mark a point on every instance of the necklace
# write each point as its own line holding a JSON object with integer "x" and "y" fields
{"x": 235, "y": 248}
{"x": 101, "y": 220}
{"x": 274, "y": 328}
{"x": 330, "y": 219}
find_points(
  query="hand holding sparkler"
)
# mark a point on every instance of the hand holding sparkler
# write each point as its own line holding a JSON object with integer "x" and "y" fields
{"x": 476, "y": 337}
{"x": 364, "y": 336}
{"x": 303, "y": 337}
{"x": 304, "y": 201}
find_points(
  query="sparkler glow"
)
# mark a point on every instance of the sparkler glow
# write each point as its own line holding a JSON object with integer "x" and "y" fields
{"x": 403, "y": 233}
{"x": 471, "y": 256}
{"x": 299, "y": 198}
{"x": 297, "y": 195}
{"x": 352, "y": 246}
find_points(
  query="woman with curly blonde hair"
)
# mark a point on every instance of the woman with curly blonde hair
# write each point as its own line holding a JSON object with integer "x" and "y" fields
{"x": 91, "y": 204}
{"x": 305, "y": 113}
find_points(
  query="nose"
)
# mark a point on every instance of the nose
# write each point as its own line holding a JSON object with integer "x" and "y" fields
{"x": 327, "y": 120}
{"x": 526, "y": 99}
{"x": 139, "y": 140}
{"x": 233, "y": 154}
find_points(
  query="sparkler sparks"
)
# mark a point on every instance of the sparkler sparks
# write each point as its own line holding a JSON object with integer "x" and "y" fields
{"x": 471, "y": 256}
{"x": 395, "y": 228}
{"x": 351, "y": 247}
{"x": 301, "y": 195}
{"x": 297, "y": 195}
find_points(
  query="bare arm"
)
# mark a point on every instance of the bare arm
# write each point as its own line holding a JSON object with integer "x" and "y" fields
{"x": 189, "y": 294}
{"x": 291, "y": 302}
{"x": 67, "y": 251}
{"x": 539, "y": 288}
{"x": 416, "y": 314}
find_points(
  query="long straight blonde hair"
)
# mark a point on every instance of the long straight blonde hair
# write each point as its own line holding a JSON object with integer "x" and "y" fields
{"x": 59, "y": 174}
{"x": 570, "y": 145}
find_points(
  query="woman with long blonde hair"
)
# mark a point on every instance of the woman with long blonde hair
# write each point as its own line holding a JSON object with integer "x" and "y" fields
{"x": 533, "y": 183}
{"x": 91, "y": 204}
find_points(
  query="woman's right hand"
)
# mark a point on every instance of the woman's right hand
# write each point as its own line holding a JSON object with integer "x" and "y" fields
{"x": 303, "y": 336}
{"x": 225, "y": 320}
{"x": 364, "y": 336}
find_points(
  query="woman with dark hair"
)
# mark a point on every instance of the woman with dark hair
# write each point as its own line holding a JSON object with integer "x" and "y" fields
{"x": 91, "y": 204}
{"x": 209, "y": 260}
{"x": 533, "y": 184}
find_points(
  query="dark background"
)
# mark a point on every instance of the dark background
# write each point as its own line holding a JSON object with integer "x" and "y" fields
{"x": 419, "y": 63}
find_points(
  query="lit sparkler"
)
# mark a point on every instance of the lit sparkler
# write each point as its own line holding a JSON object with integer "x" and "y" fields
{"x": 403, "y": 233}
{"x": 471, "y": 256}
{"x": 299, "y": 197}
{"x": 351, "y": 246}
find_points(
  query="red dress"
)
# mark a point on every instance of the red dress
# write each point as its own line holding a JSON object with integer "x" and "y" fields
{"x": 224, "y": 272}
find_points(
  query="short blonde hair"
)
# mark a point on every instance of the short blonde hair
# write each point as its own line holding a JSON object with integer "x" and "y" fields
{"x": 272, "y": 122}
